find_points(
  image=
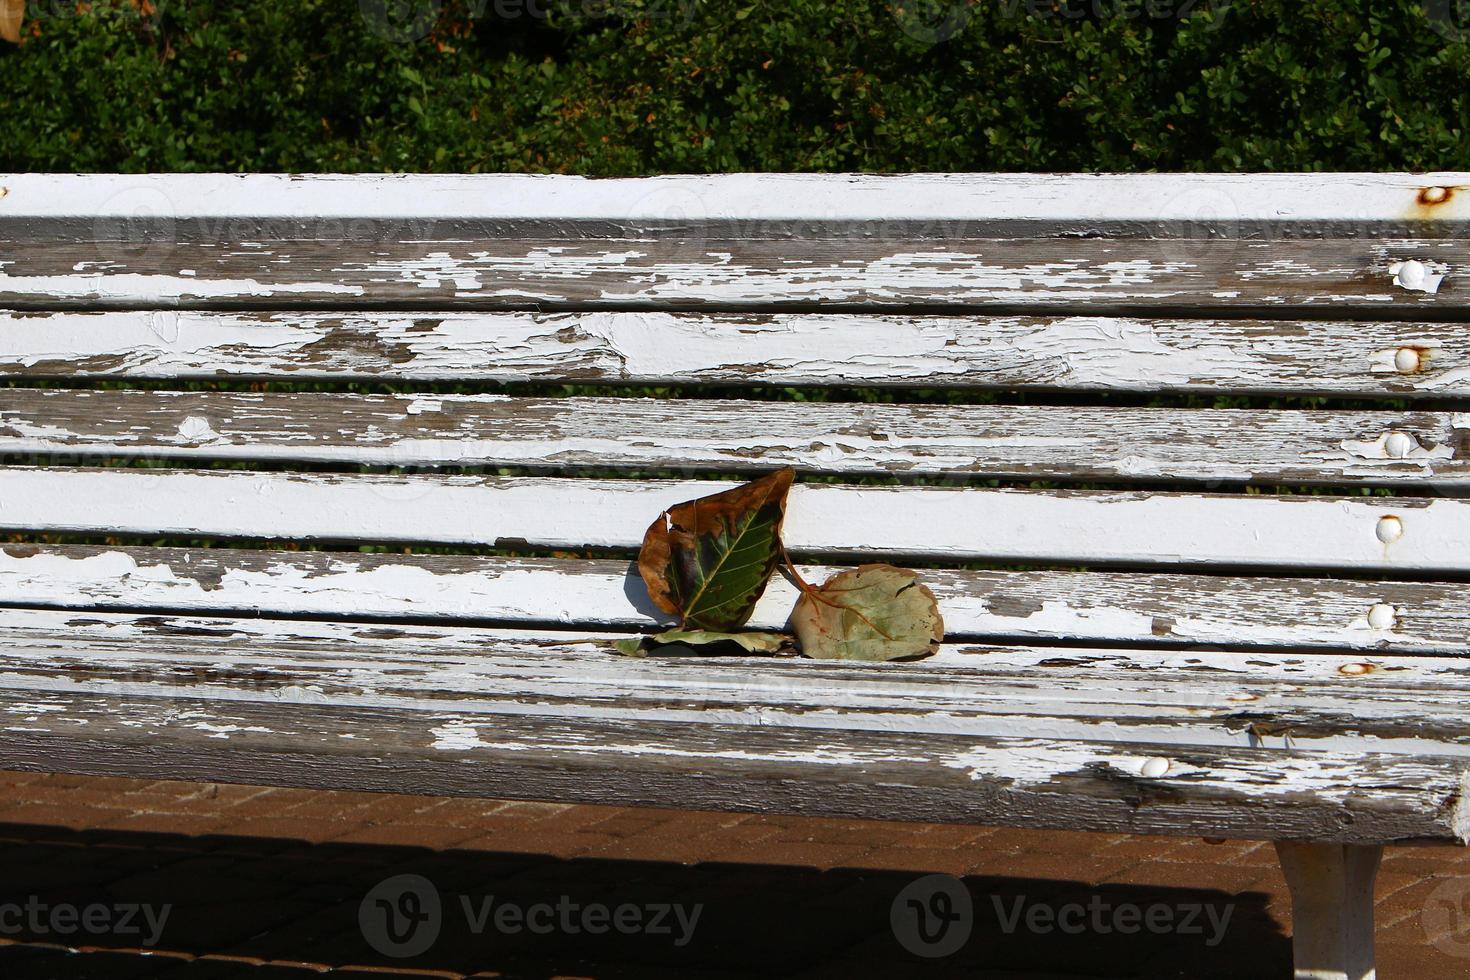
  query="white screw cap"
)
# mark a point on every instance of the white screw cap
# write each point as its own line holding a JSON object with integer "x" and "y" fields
{"x": 1407, "y": 360}
{"x": 1412, "y": 274}
{"x": 1382, "y": 616}
{"x": 1389, "y": 529}
{"x": 1399, "y": 444}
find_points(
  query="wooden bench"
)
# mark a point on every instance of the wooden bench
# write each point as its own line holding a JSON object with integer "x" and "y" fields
{"x": 1163, "y": 616}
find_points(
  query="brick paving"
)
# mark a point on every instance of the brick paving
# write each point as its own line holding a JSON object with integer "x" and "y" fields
{"x": 265, "y": 883}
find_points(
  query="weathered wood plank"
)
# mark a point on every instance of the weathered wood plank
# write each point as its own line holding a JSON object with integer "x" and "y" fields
{"x": 685, "y": 269}
{"x": 1155, "y": 675}
{"x": 1322, "y": 702}
{"x": 1074, "y": 352}
{"x": 1008, "y": 782}
{"x": 298, "y": 715}
{"x": 690, "y": 435}
{"x": 1397, "y": 617}
{"x": 939, "y": 523}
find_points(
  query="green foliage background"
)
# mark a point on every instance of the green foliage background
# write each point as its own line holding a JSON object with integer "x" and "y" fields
{"x": 656, "y": 86}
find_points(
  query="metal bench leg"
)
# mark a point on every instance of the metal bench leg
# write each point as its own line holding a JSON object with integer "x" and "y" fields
{"x": 1331, "y": 908}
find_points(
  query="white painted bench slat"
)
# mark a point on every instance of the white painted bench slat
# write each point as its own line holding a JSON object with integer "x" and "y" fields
{"x": 747, "y": 241}
{"x": 305, "y": 713}
{"x": 882, "y": 775}
{"x": 1345, "y": 673}
{"x": 1315, "y": 203}
{"x": 1131, "y": 607}
{"x": 694, "y": 270}
{"x": 1026, "y": 442}
{"x": 1074, "y": 352}
{"x": 938, "y": 523}
{"x": 1326, "y": 702}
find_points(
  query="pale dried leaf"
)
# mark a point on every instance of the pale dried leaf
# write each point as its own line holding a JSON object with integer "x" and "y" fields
{"x": 873, "y": 612}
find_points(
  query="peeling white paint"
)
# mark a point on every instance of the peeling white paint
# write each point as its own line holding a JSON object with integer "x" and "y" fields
{"x": 196, "y": 429}
{"x": 496, "y": 430}
{"x": 458, "y": 737}
{"x": 139, "y": 287}
{"x": 1397, "y": 447}
{"x": 807, "y": 348}
{"x": 224, "y": 731}
{"x": 420, "y": 404}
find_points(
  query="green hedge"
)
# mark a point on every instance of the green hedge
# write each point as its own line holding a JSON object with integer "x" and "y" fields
{"x": 648, "y": 86}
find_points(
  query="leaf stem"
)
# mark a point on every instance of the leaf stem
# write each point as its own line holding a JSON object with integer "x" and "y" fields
{"x": 801, "y": 583}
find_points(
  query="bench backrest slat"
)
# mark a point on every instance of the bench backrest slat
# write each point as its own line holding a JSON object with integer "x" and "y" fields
{"x": 676, "y": 271}
{"x": 815, "y": 349}
{"x": 1168, "y": 609}
{"x": 935, "y": 523}
{"x": 1324, "y": 204}
{"x": 1409, "y": 449}
{"x": 749, "y": 242}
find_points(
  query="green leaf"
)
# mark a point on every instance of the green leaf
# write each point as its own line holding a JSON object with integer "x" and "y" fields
{"x": 873, "y": 612}
{"x": 707, "y": 560}
{"x": 702, "y": 643}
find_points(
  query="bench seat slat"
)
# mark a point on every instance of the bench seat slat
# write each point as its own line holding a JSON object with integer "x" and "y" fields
{"x": 1321, "y": 796}
{"x": 143, "y": 633}
{"x": 1405, "y": 706}
{"x": 491, "y": 716}
{"x": 1075, "y": 352}
{"x": 1427, "y": 617}
{"x": 1026, "y": 442}
{"x": 938, "y": 523}
{"x": 691, "y": 270}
